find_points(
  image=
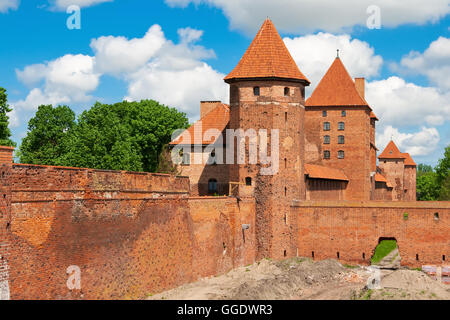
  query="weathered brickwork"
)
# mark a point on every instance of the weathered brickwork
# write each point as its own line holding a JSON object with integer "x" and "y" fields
{"x": 354, "y": 229}
{"x": 357, "y": 159}
{"x": 131, "y": 234}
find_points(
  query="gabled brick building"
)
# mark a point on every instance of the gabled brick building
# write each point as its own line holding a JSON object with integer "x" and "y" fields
{"x": 327, "y": 143}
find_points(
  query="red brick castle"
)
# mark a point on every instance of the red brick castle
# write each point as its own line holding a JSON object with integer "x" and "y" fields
{"x": 327, "y": 143}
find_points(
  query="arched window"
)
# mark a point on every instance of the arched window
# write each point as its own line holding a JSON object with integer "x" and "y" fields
{"x": 341, "y": 139}
{"x": 287, "y": 92}
{"x": 326, "y": 139}
{"x": 326, "y": 154}
{"x": 256, "y": 91}
{"x": 341, "y": 126}
{"x": 212, "y": 186}
{"x": 341, "y": 154}
{"x": 324, "y": 113}
{"x": 248, "y": 181}
{"x": 326, "y": 126}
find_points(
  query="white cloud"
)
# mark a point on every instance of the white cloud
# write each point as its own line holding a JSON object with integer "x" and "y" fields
{"x": 6, "y": 5}
{"x": 421, "y": 143}
{"x": 64, "y": 4}
{"x": 315, "y": 53}
{"x": 397, "y": 102}
{"x": 66, "y": 79}
{"x": 434, "y": 63}
{"x": 300, "y": 16}
{"x": 183, "y": 88}
{"x": 117, "y": 54}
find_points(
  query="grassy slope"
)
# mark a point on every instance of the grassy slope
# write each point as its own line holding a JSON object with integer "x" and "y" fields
{"x": 383, "y": 249}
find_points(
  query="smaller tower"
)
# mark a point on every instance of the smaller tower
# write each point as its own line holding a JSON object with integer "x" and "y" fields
{"x": 392, "y": 164}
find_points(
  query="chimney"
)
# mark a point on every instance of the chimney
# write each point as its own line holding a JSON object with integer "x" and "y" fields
{"x": 208, "y": 106}
{"x": 360, "y": 84}
{"x": 6, "y": 155}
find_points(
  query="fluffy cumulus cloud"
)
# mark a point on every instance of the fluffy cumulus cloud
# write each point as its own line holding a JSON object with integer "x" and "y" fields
{"x": 118, "y": 54}
{"x": 434, "y": 63}
{"x": 70, "y": 78}
{"x": 421, "y": 143}
{"x": 64, "y": 4}
{"x": 6, "y": 5}
{"x": 152, "y": 67}
{"x": 326, "y": 15}
{"x": 315, "y": 53}
{"x": 397, "y": 102}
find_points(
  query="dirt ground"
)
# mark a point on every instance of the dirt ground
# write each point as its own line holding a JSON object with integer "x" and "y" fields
{"x": 304, "y": 279}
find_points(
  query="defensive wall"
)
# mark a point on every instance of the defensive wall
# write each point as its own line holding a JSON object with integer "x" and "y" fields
{"x": 351, "y": 230}
{"x": 130, "y": 234}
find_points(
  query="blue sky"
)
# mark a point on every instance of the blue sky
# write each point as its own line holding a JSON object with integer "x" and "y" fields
{"x": 178, "y": 51}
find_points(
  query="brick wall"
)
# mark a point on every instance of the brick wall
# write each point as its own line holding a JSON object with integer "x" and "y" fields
{"x": 358, "y": 156}
{"x": 320, "y": 189}
{"x": 394, "y": 171}
{"x": 354, "y": 229}
{"x": 131, "y": 234}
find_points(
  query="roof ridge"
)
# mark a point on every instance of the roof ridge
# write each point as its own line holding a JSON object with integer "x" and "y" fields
{"x": 337, "y": 78}
{"x": 267, "y": 57}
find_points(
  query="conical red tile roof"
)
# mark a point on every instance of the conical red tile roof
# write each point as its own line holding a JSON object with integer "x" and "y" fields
{"x": 336, "y": 89}
{"x": 267, "y": 57}
{"x": 408, "y": 160}
{"x": 391, "y": 152}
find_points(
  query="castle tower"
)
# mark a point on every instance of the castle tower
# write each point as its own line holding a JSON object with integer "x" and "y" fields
{"x": 267, "y": 91}
{"x": 392, "y": 164}
{"x": 340, "y": 122}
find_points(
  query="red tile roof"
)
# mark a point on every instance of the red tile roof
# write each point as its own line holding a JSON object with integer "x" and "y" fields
{"x": 380, "y": 178}
{"x": 408, "y": 160}
{"x": 373, "y": 116}
{"x": 218, "y": 119}
{"x": 391, "y": 152}
{"x": 321, "y": 172}
{"x": 336, "y": 89}
{"x": 267, "y": 57}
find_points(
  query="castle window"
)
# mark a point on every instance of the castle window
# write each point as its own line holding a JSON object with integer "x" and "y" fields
{"x": 326, "y": 154}
{"x": 186, "y": 158}
{"x": 341, "y": 126}
{"x": 344, "y": 113}
{"x": 326, "y": 126}
{"x": 341, "y": 154}
{"x": 285, "y": 163}
{"x": 212, "y": 186}
{"x": 341, "y": 139}
{"x": 324, "y": 113}
{"x": 285, "y": 117}
{"x": 326, "y": 139}
{"x": 287, "y": 91}
{"x": 248, "y": 181}
{"x": 256, "y": 91}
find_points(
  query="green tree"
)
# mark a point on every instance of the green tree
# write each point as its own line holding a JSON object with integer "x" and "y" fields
{"x": 5, "y": 132}
{"x": 423, "y": 169}
{"x": 443, "y": 175}
{"x": 47, "y": 132}
{"x": 427, "y": 187}
{"x": 123, "y": 136}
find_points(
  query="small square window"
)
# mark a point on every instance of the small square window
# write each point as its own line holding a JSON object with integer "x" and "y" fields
{"x": 326, "y": 126}
{"x": 326, "y": 154}
{"x": 324, "y": 113}
{"x": 256, "y": 91}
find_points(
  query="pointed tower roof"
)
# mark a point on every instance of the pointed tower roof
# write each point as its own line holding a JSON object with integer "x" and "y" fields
{"x": 336, "y": 89}
{"x": 409, "y": 160}
{"x": 391, "y": 152}
{"x": 267, "y": 57}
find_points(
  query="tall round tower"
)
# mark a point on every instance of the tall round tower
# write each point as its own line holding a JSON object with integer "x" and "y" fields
{"x": 267, "y": 95}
